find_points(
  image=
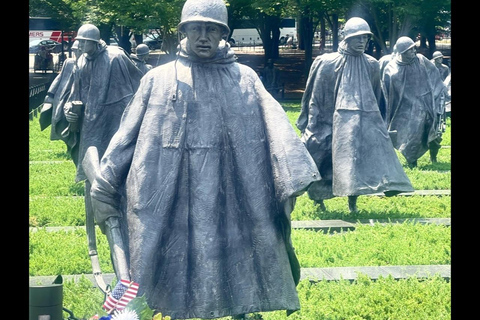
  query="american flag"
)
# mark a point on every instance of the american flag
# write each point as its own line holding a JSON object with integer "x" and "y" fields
{"x": 121, "y": 295}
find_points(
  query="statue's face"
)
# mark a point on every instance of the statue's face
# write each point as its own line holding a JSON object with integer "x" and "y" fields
{"x": 87, "y": 46}
{"x": 409, "y": 54}
{"x": 203, "y": 38}
{"x": 358, "y": 43}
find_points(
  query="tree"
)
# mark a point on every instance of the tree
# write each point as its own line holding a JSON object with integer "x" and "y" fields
{"x": 391, "y": 19}
{"x": 311, "y": 13}
{"x": 68, "y": 15}
{"x": 266, "y": 15}
{"x": 145, "y": 16}
{"x": 120, "y": 18}
{"x": 388, "y": 19}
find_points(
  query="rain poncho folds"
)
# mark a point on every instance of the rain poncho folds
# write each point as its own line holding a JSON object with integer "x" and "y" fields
{"x": 208, "y": 160}
{"x": 344, "y": 131}
{"x": 413, "y": 92}
{"x": 106, "y": 82}
{"x": 57, "y": 95}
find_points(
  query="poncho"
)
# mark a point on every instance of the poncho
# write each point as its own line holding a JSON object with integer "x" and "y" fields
{"x": 141, "y": 64}
{"x": 106, "y": 83}
{"x": 343, "y": 129}
{"x": 208, "y": 160}
{"x": 413, "y": 91}
{"x": 57, "y": 95}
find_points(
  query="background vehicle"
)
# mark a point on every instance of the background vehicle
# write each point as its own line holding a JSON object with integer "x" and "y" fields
{"x": 45, "y": 28}
{"x": 153, "y": 42}
{"x": 288, "y": 27}
{"x": 51, "y": 45}
{"x": 247, "y": 35}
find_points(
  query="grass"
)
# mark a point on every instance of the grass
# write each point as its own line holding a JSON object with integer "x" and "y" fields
{"x": 378, "y": 245}
{"x": 362, "y": 299}
{"x": 56, "y": 200}
{"x": 57, "y": 211}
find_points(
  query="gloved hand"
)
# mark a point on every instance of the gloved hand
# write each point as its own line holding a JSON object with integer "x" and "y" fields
{"x": 69, "y": 114}
{"x": 103, "y": 210}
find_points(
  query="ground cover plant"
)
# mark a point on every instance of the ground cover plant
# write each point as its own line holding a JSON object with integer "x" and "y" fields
{"x": 385, "y": 298}
{"x": 55, "y": 200}
{"x": 66, "y": 252}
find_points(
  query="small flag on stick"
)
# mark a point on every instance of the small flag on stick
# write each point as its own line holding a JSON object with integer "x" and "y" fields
{"x": 121, "y": 295}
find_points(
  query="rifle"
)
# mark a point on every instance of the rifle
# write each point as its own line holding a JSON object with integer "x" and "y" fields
{"x": 91, "y": 166}
{"x": 441, "y": 117}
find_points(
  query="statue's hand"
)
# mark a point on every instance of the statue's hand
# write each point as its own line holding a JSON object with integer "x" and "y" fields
{"x": 103, "y": 211}
{"x": 69, "y": 114}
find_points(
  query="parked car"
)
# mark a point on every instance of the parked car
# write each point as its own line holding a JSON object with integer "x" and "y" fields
{"x": 153, "y": 42}
{"x": 51, "y": 45}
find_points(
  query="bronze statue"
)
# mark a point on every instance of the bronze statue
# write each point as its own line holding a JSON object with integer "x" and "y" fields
{"x": 271, "y": 78}
{"x": 140, "y": 57}
{"x": 437, "y": 60}
{"x": 202, "y": 176}
{"x": 414, "y": 94}
{"x": 342, "y": 126}
{"x": 91, "y": 102}
{"x": 57, "y": 95}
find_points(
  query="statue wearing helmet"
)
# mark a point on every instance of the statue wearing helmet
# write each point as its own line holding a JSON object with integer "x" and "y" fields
{"x": 210, "y": 166}
{"x": 415, "y": 94}
{"x": 205, "y": 24}
{"x": 140, "y": 57}
{"x": 437, "y": 59}
{"x": 403, "y": 44}
{"x": 213, "y": 11}
{"x": 57, "y": 95}
{"x": 88, "y": 32}
{"x": 342, "y": 125}
{"x": 88, "y": 37}
{"x": 356, "y": 27}
{"x": 104, "y": 81}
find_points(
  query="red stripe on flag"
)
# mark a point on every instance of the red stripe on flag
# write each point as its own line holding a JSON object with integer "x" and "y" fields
{"x": 121, "y": 295}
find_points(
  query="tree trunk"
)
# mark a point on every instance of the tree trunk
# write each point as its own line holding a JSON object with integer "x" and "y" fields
{"x": 269, "y": 30}
{"x": 334, "y": 32}
{"x": 123, "y": 34}
{"x": 138, "y": 38}
{"x": 307, "y": 30}
{"x": 301, "y": 33}
{"x": 169, "y": 43}
{"x": 323, "y": 37}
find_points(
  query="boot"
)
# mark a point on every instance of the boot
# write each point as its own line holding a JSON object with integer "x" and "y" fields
{"x": 433, "y": 155}
{"x": 412, "y": 164}
{"x": 322, "y": 205}
{"x": 352, "y": 204}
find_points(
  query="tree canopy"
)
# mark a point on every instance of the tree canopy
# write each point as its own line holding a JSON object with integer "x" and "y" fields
{"x": 388, "y": 19}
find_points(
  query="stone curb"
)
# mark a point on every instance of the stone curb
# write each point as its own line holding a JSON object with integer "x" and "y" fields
{"x": 312, "y": 274}
{"x": 323, "y": 225}
{"x": 375, "y": 272}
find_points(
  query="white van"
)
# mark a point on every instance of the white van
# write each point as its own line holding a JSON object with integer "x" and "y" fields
{"x": 245, "y": 37}
{"x": 251, "y": 37}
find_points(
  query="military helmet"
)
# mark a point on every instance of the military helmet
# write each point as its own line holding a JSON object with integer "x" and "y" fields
{"x": 88, "y": 32}
{"x": 403, "y": 44}
{"x": 356, "y": 26}
{"x": 437, "y": 54}
{"x": 142, "y": 49}
{"x": 204, "y": 11}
